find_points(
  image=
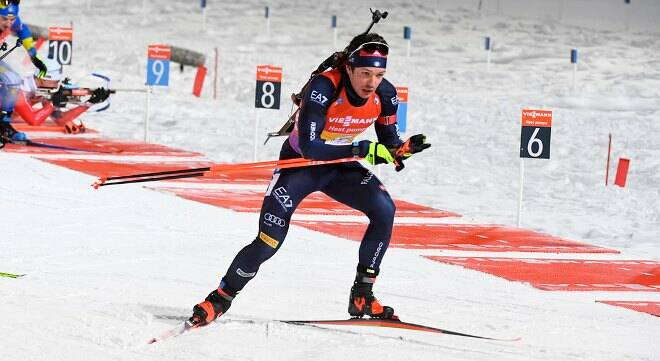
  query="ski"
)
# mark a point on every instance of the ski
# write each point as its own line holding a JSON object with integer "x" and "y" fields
{"x": 392, "y": 323}
{"x": 179, "y": 330}
{"x": 184, "y": 327}
{"x": 11, "y": 275}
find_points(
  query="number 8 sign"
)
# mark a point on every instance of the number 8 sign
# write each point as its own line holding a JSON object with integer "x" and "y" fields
{"x": 60, "y": 44}
{"x": 269, "y": 87}
{"x": 158, "y": 64}
{"x": 535, "y": 133}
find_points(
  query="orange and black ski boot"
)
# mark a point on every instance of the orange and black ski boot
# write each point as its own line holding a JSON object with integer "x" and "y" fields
{"x": 362, "y": 300}
{"x": 215, "y": 305}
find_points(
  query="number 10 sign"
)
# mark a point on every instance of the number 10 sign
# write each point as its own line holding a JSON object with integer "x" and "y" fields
{"x": 535, "y": 133}
{"x": 60, "y": 44}
{"x": 158, "y": 64}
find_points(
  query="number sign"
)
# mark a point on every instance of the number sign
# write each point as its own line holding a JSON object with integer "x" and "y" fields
{"x": 269, "y": 87}
{"x": 535, "y": 133}
{"x": 60, "y": 44}
{"x": 158, "y": 64}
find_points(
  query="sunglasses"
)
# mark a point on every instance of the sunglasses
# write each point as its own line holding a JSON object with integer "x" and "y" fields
{"x": 372, "y": 48}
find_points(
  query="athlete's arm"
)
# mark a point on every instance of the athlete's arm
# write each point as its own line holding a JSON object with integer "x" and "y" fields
{"x": 29, "y": 114}
{"x": 23, "y": 32}
{"x": 386, "y": 127}
{"x": 64, "y": 117}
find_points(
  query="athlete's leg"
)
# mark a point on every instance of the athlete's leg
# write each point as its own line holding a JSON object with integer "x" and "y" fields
{"x": 358, "y": 188}
{"x": 286, "y": 190}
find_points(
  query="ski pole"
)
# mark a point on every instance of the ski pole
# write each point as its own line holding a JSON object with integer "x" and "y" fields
{"x": 202, "y": 169}
{"x": 205, "y": 169}
{"x": 154, "y": 174}
{"x": 19, "y": 42}
{"x": 282, "y": 164}
{"x": 100, "y": 183}
{"x": 217, "y": 170}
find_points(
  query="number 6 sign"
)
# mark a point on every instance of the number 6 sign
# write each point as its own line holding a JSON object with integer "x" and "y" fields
{"x": 535, "y": 133}
{"x": 269, "y": 87}
{"x": 60, "y": 44}
{"x": 158, "y": 64}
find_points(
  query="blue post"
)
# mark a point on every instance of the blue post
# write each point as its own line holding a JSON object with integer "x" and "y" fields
{"x": 574, "y": 56}
{"x": 267, "y": 12}
{"x": 407, "y": 32}
{"x": 487, "y": 43}
{"x": 627, "y": 1}
{"x": 202, "y": 3}
{"x": 334, "y": 21}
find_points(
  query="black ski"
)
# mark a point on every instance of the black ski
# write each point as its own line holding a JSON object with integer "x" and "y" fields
{"x": 392, "y": 323}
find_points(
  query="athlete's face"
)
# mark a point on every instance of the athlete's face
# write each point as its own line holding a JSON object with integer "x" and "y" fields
{"x": 6, "y": 22}
{"x": 365, "y": 80}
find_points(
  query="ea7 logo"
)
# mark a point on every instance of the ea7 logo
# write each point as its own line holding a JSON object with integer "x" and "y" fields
{"x": 283, "y": 198}
{"x": 395, "y": 100}
{"x": 271, "y": 219}
{"x": 317, "y": 97}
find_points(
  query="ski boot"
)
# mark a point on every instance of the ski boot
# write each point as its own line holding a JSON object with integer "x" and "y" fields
{"x": 362, "y": 300}
{"x": 9, "y": 134}
{"x": 215, "y": 305}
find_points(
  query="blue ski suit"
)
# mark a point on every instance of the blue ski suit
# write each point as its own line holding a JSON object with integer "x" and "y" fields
{"x": 330, "y": 117}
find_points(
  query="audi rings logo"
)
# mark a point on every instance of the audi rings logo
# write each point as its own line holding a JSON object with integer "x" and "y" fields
{"x": 274, "y": 220}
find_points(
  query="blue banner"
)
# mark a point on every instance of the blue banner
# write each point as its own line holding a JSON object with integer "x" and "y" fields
{"x": 407, "y": 32}
{"x": 574, "y": 56}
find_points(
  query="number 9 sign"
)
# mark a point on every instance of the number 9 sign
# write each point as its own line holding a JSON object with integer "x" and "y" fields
{"x": 158, "y": 64}
{"x": 269, "y": 87}
{"x": 535, "y": 134}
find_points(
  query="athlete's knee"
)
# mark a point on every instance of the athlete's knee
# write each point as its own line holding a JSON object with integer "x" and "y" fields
{"x": 383, "y": 210}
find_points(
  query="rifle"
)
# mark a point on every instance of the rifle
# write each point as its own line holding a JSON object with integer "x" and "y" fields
{"x": 331, "y": 62}
{"x": 69, "y": 93}
{"x": 63, "y": 95}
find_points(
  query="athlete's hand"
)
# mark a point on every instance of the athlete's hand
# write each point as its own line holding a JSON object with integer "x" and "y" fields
{"x": 39, "y": 65}
{"x": 414, "y": 144}
{"x": 374, "y": 153}
{"x": 99, "y": 95}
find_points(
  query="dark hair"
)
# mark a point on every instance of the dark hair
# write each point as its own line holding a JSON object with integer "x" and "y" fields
{"x": 340, "y": 58}
{"x": 362, "y": 39}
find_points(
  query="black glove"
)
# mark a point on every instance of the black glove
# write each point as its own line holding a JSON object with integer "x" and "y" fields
{"x": 40, "y": 65}
{"x": 414, "y": 144}
{"x": 15, "y": 2}
{"x": 99, "y": 95}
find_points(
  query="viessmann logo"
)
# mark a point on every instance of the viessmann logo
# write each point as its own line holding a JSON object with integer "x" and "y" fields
{"x": 349, "y": 120}
{"x": 535, "y": 114}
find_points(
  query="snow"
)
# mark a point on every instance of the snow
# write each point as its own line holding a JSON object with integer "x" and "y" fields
{"x": 105, "y": 267}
